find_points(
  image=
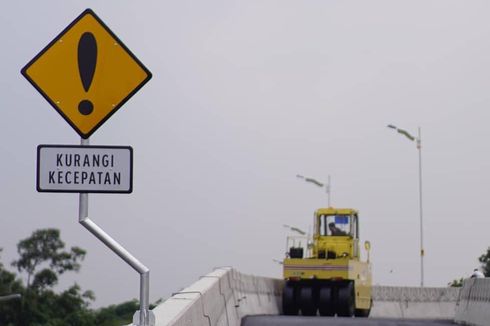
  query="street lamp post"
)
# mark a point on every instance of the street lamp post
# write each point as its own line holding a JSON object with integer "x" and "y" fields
{"x": 10, "y": 297}
{"x": 418, "y": 141}
{"x": 294, "y": 229}
{"x": 319, "y": 184}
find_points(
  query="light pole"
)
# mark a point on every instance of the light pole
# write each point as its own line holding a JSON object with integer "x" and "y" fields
{"x": 10, "y": 297}
{"x": 319, "y": 184}
{"x": 418, "y": 141}
{"x": 295, "y": 229}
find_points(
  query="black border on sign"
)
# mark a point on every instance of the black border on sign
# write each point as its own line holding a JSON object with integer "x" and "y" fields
{"x": 38, "y": 167}
{"x": 53, "y": 104}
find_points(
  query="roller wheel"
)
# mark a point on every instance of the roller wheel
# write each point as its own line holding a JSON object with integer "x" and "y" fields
{"x": 325, "y": 302}
{"x": 289, "y": 305}
{"x": 307, "y": 301}
{"x": 346, "y": 301}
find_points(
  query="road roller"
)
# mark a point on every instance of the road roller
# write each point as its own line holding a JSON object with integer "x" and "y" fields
{"x": 324, "y": 274}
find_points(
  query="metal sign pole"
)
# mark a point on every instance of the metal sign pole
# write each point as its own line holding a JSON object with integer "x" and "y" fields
{"x": 144, "y": 313}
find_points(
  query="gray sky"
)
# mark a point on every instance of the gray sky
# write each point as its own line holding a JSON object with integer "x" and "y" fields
{"x": 244, "y": 96}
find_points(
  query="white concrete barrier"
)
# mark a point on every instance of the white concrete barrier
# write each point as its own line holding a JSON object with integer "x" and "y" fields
{"x": 221, "y": 298}
{"x": 414, "y": 302}
{"x": 225, "y": 296}
{"x": 473, "y": 307}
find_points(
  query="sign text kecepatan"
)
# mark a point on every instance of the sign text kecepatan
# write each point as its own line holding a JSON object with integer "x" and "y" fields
{"x": 70, "y": 168}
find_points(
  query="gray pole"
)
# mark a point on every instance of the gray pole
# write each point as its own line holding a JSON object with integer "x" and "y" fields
{"x": 422, "y": 253}
{"x": 319, "y": 184}
{"x": 419, "y": 147}
{"x": 144, "y": 313}
{"x": 10, "y": 297}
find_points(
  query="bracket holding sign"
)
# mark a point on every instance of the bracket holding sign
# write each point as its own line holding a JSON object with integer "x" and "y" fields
{"x": 86, "y": 73}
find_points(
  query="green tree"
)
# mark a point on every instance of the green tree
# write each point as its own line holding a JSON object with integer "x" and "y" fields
{"x": 43, "y": 257}
{"x": 485, "y": 262}
{"x": 456, "y": 283}
{"x": 485, "y": 266}
{"x": 120, "y": 314}
{"x": 46, "y": 246}
{"x": 115, "y": 315}
{"x": 9, "y": 309}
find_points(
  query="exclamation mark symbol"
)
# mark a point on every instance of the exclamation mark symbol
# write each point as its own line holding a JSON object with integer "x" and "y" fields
{"x": 87, "y": 60}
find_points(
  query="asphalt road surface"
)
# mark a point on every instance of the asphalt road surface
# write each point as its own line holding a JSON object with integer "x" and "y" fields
{"x": 335, "y": 321}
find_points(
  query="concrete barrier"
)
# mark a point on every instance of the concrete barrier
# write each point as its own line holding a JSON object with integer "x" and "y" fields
{"x": 414, "y": 302}
{"x": 221, "y": 298}
{"x": 473, "y": 306}
{"x": 225, "y": 296}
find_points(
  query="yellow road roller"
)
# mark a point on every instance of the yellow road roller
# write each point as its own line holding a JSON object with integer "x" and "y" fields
{"x": 324, "y": 273}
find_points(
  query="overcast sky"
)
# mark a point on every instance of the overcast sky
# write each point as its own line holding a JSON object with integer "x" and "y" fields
{"x": 244, "y": 96}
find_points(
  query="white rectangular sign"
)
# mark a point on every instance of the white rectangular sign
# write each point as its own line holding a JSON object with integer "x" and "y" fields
{"x": 72, "y": 168}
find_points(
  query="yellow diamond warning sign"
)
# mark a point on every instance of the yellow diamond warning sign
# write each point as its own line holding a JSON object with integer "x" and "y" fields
{"x": 86, "y": 73}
